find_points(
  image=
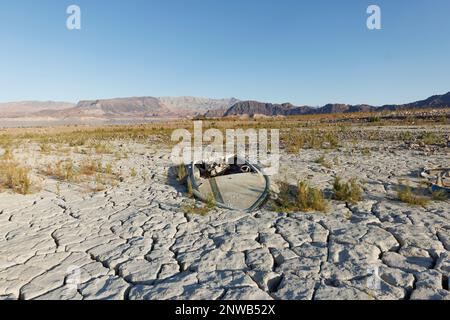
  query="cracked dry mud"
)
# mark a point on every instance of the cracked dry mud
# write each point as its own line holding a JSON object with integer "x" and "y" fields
{"x": 133, "y": 241}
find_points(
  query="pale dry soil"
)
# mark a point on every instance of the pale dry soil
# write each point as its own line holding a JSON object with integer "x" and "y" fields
{"x": 133, "y": 241}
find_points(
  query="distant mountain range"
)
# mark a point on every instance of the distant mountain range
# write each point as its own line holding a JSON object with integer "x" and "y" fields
{"x": 111, "y": 108}
{"x": 147, "y": 107}
{"x": 134, "y": 107}
{"x": 195, "y": 106}
{"x": 30, "y": 108}
{"x": 188, "y": 107}
{"x": 286, "y": 109}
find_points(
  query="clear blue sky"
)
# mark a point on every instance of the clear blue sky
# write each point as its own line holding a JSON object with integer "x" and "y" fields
{"x": 301, "y": 51}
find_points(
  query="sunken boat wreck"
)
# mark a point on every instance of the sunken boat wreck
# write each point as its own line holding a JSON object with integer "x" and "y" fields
{"x": 439, "y": 179}
{"x": 233, "y": 183}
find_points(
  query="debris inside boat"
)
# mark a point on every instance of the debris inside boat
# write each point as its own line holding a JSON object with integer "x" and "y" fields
{"x": 233, "y": 182}
{"x": 438, "y": 178}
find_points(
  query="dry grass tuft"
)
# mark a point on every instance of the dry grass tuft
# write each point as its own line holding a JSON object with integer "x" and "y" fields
{"x": 88, "y": 171}
{"x": 209, "y": 205}
{"x": 63, "y": 170}
{"x": 190, "y": 190}
{"x": 304, "y": 198}
{"x": 430, "y": 138}
{"x": 439, "y": 195}
{"x": 7, "y": 154}
{"x": 407, "y": 195}
{"x": 194, "y": 209}
{"x": 99, "y": 183}
{"x": 324, "y": 162}
{"x": 15, "y": 177}
{"x": 90, "y": 167}
{"x": 181, "y": 172}
{"x": 347, "y": 191}
{"x": 210, "y": 202}
{"x": 46, "y": 148}
{"x": 295, "y": 140}
{"x": 101, "y": 148}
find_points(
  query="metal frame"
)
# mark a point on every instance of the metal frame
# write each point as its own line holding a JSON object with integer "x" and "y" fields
{"x": 254, "y": 207}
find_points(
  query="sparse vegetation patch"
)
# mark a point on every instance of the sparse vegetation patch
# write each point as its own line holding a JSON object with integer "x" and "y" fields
{"x": 323, "y": 162}
{"x": 302, "y": 198}
{"x": 15, "y": 177}
{"x": 407, "y": 194}
{"x": 349, "y": 191}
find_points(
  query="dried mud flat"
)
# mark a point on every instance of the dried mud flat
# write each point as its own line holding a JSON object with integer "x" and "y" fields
{"x": 133, "y": 240}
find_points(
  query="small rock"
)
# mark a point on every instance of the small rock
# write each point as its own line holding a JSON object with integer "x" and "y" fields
{"x": 302, "y": 267}
{"x": 273, "y": 240}
{"x": 430, "y": 294}
{"x": 104, "y": 288}
{"x": 260, "y": 259}
{"x": 169, "y": 289}
{"x": 246, "y": 293}
{"x": 396, "y": 277}
{"x": 266, "y": 280}
{"x": 340, "y": 293}
{"x": 226, "y": 279}
{"x": 282, "y": 255}
{"x": 140, "y": 271}
{"x": 443, "y": 263}
{"x": 64, "y": 293}
{"x": 407, "y": 264}
{"x": 201, "y": 292}
{"x": 359, "y": 253}
{"x": 295, "y": 288}
{"x": 429, "y": 279}
{"x": 312, "y": 250}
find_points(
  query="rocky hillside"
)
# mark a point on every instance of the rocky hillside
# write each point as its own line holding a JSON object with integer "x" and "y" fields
{"x": 195, "y": 105}
{"x": 188, "y": 107}
{"x": 437, "y": 101}
{"x": 128, "y": 107}
{"x": 134, "y": 107}
{"x": 29, "y": 108}
{"x": 269, "y": 109}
